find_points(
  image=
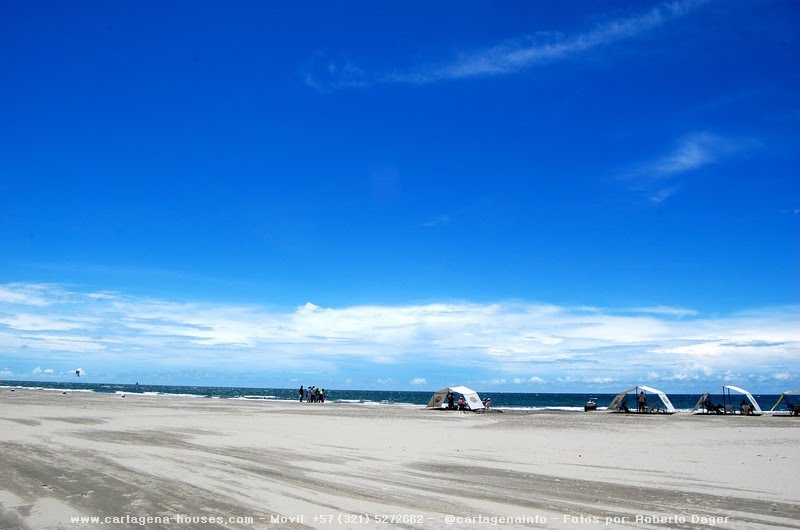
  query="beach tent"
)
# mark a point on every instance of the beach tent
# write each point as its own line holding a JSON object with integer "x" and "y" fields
{"x": 635, "y": 390}
{"x": 439, "y": 398}
{"x": 727, "y": 403}
{"x": 784, "y": 397}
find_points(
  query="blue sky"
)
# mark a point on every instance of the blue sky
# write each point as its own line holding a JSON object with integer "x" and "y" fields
{"x": 518, "y": 196}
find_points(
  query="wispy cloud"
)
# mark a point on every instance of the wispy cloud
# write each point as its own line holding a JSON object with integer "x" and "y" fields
{"x": 658, "y": 178}
{"x": 439, "y": 220}
{"x": 591, "y": 380}
{"x": 693, "y": 151}
{"x": 505, "y": 58}
{"x": 29, "y": 294}
{"x": 506, "y": 339}
{"x": 678, "y": 312}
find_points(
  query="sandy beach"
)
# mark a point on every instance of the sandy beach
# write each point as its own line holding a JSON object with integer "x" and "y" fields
{"x": 170, "y": 462}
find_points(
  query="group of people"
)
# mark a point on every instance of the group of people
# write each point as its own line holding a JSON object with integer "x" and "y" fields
{"x": 641, "y": 400}
{"x": 313, "y": 394}
{"x": 451, "y": 402}
{"x": 744, "y": 407}
{"x": 462, "y": 403}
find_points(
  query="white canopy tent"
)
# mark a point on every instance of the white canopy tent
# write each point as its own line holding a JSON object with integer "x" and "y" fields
{"x": 727, "y": 403}
{"x": 669, "y": 409}
{"x": 439, "y": 398}
{"x": 784, "y": 397}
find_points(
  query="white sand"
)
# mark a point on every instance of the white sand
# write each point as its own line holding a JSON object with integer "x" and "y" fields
{"x": 355, "y": 466}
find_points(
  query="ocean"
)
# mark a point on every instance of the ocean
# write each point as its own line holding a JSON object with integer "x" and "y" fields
{"x": 500, "y": 400}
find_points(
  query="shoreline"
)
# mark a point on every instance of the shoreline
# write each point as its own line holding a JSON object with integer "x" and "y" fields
{"x": 97, "y": 455}
{"x": 342, "y": 401}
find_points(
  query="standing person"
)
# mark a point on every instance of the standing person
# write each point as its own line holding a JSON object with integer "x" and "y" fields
{"x": 450, "y": 401}
{"x": 301, "y": 393}
{"x": 642, "y": 399}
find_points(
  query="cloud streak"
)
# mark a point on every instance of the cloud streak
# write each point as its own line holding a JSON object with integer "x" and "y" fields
{"x": 506, "y": 58}
{"x": 530, "y": 343}
{"x": 692, "y": 152}
{"x": 658, "y": 178}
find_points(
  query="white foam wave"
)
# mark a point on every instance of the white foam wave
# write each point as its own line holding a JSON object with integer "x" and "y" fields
{"x": 46, "y": 388}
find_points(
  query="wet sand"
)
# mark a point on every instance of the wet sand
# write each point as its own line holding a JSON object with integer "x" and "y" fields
{"x": 263, "y": 464}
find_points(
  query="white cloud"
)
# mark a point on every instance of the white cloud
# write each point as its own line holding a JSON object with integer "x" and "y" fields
{"x": 505, "y": 58}
{"x": 34, "y": 322}
{"x": 533, "y": 379}
{"x": 6, "y": 372}
{"x": 29, "y": 294}
{"x": 419, "y": 381}
{"x": 105, "y": 295}
{"x": 600, "y": 380}
{"x": 591, "y": 344}
{"x": 588, "y": 380}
